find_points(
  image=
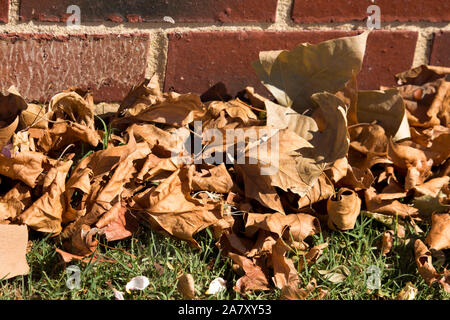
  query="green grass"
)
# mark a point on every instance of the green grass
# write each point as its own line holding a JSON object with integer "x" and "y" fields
{"x": 163, "y": 259}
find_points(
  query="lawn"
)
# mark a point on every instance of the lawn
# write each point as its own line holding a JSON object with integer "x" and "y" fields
{"x": 163, "y": 259}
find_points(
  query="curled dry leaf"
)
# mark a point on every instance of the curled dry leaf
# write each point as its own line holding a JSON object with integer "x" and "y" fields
{"x": 439, "y": 236}
{"x": 375, "y": 203}
{"x": 336, "y": 275}
{"x": 424, "y": 262}
{"x": 408, "y": 292}
{"x": 35, "y": 116}
{"x": 215, "y": 179}
{"x": 343, "y": 209}
{"x": 185, "y": 286}
{"x": 432, "y": 187}
{"x": 15, "y": 201}
{"x": 428, "y": 205}
{"x": 45, "y": 214}
{"x": 254, "y": 278}
{"x": 141, "y": 97}
{"x": 293, "y": 292}
{"x": 387, "y": 109}
{"x": 170, "y": 207}
{"x": 313, "y": 254}
{"x": 422, "y": 74}
{"x": 176, "y": 110}
{"x": 25, "y": 166}
{"x": 415, "y": 161}
{"x": 321, "y": 190}
{"x": 291, "y": 227}
{"x": 117, "y": 223}
{"x": 386, "y": 242}
{"x": 284, "y": 270}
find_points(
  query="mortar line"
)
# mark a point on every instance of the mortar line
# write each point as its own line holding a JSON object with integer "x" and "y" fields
{"x": 157, "y": 56}
{"x": 285, "y": 25}
{"x": 13, "y": 13}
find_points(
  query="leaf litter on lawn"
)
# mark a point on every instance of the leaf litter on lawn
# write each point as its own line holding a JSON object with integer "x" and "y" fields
{"x": 263, "y": 174}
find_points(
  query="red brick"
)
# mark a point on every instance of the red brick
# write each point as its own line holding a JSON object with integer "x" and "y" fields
{"x": 41, "y": 65}
{"x": 197, "y": 61}
{"x": 4, "y": 11}
{"x": 155, "y": 10}
{"x": 315, "y": 11}
{"x": 440, "y": 51}
{"x": 387, "y": 53}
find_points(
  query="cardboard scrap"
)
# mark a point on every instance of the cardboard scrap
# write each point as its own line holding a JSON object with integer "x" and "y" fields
{"x": 13, "y": 246}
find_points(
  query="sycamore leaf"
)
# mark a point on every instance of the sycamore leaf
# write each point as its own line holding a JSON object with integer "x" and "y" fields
{"x": 387, "y": 109}
{"x": 293, "y": 76}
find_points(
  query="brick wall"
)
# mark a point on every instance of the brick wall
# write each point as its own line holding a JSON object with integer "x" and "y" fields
{"x": 120, "y": 42}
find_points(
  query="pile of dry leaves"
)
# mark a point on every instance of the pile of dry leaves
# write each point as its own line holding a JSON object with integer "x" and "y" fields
{"x": 263, "y": 174}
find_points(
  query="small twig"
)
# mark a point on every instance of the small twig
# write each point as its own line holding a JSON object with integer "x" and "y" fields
{"x": 67, "y": 148}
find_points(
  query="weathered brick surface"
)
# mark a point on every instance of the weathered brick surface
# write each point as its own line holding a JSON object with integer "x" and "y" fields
{"x": 440, "y": 52}
{"x": 316, "y": 11}
{"x": 387, "y": 53}
{"x": 152, "y": 10}
{"x": 197, "y": 61}
{"x": 4, "y": 11}
{"x": 41, "y": 65}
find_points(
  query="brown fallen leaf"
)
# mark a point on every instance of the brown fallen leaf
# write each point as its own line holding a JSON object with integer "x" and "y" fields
{"x": 375, "y": 203}
{"x": 415, "y": 161}
{"x": 25, "y": 166}
{"x": 386, "y": 242}
{"x": 285, "y": 73}
{"x": 439, "y": 236}
{"x": 311, "y": 257}
{"x": 321, "y": 190}
{"x": 422, "y": 74}
{"x": 387, "y": 109}
{"x": 176, "y": 110}
{"x": 13, "y": 246}
{"x": 408, "y": 292}
{"x": 254, "y": 278}
{"x": 170, "y": 207}
{"x": 35, "y": 116}
{"x": 343, "y": 209}
{"x": 293, "y": 292}
{"x": 45, "y": 214}
{"x": 69, "y": 257}
{"x": 357, "y": 178}
{"x": 291, "y": 227}
{"x": 338, "y": 170}
{"x": 424, "y": 262}
{"x": 141, "y": 97}
{"x": 235, "y": 109}
{"x": 432, "y": 187}
{"x": 185, "y": 286}
{"x": 284, "y": 270}
{"x": 369, "y": 139}
{"x": 215, "y": 179}
{"x": 117, "y": 223}
{"x": 7, "y": 131}
{"x": 15, "y": 201}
